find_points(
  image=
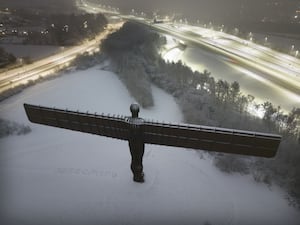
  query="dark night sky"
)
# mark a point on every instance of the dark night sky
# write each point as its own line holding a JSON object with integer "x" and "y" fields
{"x": 51, "y": 5}
{"x": 215, "y": 10}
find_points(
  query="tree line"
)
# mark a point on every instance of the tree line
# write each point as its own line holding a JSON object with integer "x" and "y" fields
{"x": 6, "y": 58}
{"x": 204, "y": 100}
{"x": 67, "y": 29}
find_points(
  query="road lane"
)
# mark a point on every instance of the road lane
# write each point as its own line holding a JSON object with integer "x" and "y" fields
{"x": 48, "y": 65}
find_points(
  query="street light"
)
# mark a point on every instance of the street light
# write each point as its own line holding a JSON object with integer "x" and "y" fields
{"x": 266, "y": 40}
{"x": 250, "y": 35}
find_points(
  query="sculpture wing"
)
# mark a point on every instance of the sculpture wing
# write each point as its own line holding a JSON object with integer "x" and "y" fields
{"x": 181, "y": 135}
{"x": 109, "y": 126}
{"x": 211, "y": 139}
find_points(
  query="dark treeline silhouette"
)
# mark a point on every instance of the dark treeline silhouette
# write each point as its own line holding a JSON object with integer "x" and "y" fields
{"x": 125, "y": 48}
{"x": 204, "y": 100}
{"x": 273, "y": 28}
{"x": 6, "y": 58}
{"x": 67, "y": 29}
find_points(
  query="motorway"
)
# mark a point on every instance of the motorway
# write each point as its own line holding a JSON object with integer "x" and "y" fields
{"x": 262, "y": 72}
{"x": 49, "y": 65}
{"x": 266, "y": 74}
{"x": 282, "y": 69}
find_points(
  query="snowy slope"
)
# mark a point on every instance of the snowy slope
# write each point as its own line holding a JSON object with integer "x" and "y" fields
{"x": 55, "y": 176}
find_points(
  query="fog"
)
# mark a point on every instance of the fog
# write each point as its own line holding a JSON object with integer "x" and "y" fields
{"x": 46, "y": 5}
{"x": 212, "y": 10}
{"x": 204, "y": 10}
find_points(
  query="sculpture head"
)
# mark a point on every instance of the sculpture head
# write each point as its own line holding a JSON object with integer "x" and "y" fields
{"x": 135, "y": 109}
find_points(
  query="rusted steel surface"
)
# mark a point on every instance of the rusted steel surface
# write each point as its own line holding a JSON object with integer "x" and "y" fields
{"x": 103, "y": 125}
{"x": 211, "y": 139}
{"x": 169, "y": 134}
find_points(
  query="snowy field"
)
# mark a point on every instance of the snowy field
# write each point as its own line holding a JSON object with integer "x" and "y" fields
{"x": 55, "y": 176}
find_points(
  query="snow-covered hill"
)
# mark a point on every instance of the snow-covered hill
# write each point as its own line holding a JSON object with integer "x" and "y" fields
{"x": 55, "y": 176}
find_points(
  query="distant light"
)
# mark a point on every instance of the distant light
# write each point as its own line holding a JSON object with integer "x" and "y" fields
{"x": 85, "y": 24}
{"x": 296, "y": 16}
{"x": 293, "y": 46}
{"x": 66, "y": 28}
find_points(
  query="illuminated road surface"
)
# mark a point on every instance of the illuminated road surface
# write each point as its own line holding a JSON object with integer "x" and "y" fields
{"x": 266, "y": 74}
{"x": 281, "y": 69}
{"x": 50, "y": 64}
{"x": 262, "y": 72}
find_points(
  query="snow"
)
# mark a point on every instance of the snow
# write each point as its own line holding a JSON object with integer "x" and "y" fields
{"x": 55, "y": 176}
{"x": 171, "y": 51}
